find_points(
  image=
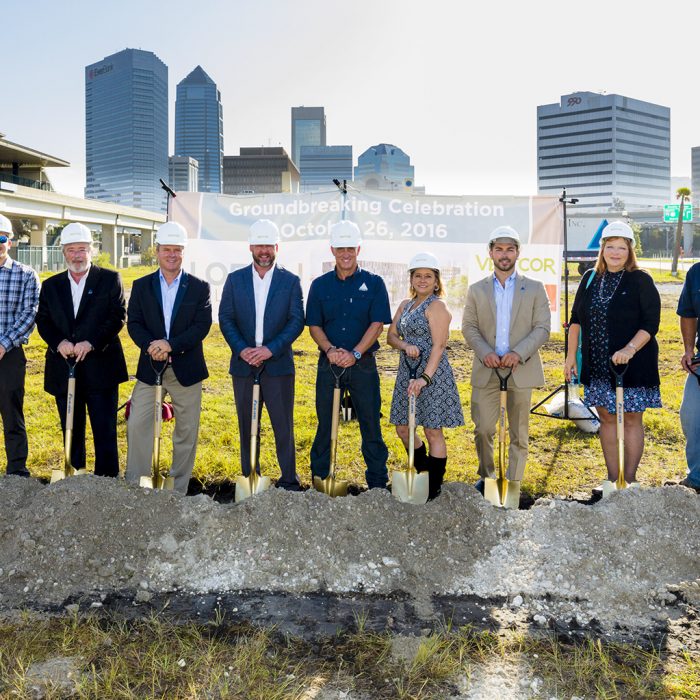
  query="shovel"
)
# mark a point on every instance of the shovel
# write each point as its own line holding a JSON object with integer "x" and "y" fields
{"x": 252, "y": 484}
{"x": 501, "y": 491}
{"x": 157, "y": 480}
{"x": 330, "y": 485}
{"x": 407, "y": 484}
{"x": 68, "y": 469}
{"x": 607, "y": 486}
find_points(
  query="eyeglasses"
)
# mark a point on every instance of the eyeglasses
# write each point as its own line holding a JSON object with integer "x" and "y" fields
{"x": 4, "y": 238}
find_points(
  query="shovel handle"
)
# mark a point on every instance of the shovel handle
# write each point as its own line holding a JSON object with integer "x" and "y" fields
{"x": 503, "y": 378}
{"x": 618, "y": 374}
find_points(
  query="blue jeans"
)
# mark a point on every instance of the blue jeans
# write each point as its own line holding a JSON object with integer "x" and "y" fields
{"x": 690, "y": 422}
{"x": 362, "y": 381}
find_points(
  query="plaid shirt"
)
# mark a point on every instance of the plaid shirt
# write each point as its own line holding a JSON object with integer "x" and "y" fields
{"x": 19, "y": 300}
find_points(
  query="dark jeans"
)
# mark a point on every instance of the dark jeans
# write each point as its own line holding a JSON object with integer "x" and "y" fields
{"x": 277, "y": 394}
{"x": 102, "y": 408}
{"x": 362, "y": 381}
{"x": 12, "y": 373}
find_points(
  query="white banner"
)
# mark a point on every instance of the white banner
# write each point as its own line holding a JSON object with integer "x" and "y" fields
{"x": 394, "y": 228}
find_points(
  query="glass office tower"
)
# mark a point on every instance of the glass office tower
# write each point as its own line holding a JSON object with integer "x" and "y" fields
{"x": 384, "y": 167}
{"x": 609, "y": 151}
{"x": 126, "y": 129}
{"x": 199, "y": 127}
{"x": 320, "y": 165}
{"x": 308, "y": 129}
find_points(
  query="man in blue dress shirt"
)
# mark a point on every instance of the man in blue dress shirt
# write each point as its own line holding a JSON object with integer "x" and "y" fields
{"x": 346, "y": 313}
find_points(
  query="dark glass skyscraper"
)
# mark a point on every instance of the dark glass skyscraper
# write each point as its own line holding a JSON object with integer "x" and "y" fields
{"x": 199, "y": 127}
{"x": 126, "y": 129}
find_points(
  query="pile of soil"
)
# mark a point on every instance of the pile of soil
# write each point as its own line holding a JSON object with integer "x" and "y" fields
{"x": 630, "y": 561}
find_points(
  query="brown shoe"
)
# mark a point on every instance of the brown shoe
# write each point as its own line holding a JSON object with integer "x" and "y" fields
{"x": 688, "y": 485}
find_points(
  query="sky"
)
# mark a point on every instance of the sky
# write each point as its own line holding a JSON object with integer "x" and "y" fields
{"x": 455, "y": 84}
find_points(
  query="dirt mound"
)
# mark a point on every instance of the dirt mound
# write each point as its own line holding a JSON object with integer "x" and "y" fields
{"x": 613, "y": 562}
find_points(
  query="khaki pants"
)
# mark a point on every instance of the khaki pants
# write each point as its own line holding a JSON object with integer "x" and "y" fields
{"x": 485, "y": 404}
{"x": 187, "y": 402}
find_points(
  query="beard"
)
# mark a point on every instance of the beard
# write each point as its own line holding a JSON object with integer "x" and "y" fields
{"x": 78, "y": 267}
{"x": 268, "y": 261}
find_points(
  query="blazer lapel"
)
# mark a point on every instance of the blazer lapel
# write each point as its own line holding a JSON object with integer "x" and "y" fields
{"x": 66, "y": 297}
{"x": 488, "y": 283}
{"x": 155, "y": 285}
{"x": 181, "y": 291}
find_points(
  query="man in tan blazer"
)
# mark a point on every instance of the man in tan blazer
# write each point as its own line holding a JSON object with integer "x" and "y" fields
{"x": 506, "y": 320}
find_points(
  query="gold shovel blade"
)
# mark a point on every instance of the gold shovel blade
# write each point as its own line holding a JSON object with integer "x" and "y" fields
{"x": 166, "y": 483}
{"x": 247, "y": 486}
{"x": 502, "y": 493}
{"x": 331, "y": 486}
{"x": 58, "y": 474}
{"x": 408, "y": 486}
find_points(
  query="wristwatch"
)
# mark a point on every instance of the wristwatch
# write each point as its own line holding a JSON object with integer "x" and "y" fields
{"x": 357, "y": 355}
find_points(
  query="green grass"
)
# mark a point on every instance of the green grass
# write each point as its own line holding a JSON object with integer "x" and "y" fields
{"x": 154, "y": 658}
{"x": 562, "y": 459}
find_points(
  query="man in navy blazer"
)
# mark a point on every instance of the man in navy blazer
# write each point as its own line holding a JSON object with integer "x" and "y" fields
{"x": 168, "y": 317}
{"x": 81, "y": 313}
{"x": 261, "y": 315}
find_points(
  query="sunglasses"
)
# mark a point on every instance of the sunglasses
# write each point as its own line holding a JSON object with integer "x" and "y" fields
{"x": 4, "y": 238}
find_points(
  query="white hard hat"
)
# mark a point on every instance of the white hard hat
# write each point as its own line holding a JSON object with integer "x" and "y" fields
{"x": 617, "y": 229}
{"x": 6, "y": 226}
{"x": 427, "y": 260}
{"x": 504, "y": 232}
{"x": 171, "y": 233}
{"x": 345, "y": 234}
{"x": 76, "y": 233}
{"x": 264, "y": 232}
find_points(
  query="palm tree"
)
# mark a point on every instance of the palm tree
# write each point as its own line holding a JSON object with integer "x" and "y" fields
{"x": 682, "y": 193}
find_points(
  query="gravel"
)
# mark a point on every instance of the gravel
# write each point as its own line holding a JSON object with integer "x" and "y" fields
{"x": 621, "y": 563}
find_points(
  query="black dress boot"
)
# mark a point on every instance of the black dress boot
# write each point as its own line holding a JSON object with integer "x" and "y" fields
{"x": 437, "y": 474}
{"x": 421, "y": 461}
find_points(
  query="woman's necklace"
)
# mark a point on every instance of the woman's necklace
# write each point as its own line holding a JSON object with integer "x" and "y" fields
{"x": 607, "y": 297}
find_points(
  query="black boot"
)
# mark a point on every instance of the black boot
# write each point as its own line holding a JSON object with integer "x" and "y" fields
{"x": 437, "y": 474}
{"x": 421, "y": 461}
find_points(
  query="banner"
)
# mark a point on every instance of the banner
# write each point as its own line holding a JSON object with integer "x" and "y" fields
{"x": 395, "y": 226}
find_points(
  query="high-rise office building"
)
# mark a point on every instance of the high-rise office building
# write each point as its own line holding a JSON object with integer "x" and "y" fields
{"x": 308, "y": 129}
{"x": 608, "y": 151}
{"x": 183, "y": 173}
{"x": 384, "y": 167}
{"x": 320, "y": 165}
{"x": 199, "y": 127}
{"x": 126, "y": 129}
{"x": 260, "y": 170}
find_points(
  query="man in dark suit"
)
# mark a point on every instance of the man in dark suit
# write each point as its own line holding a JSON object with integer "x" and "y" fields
{"x": 261, "y": 315}
{"x": 81, "y": 312}
{"x": 169, "y": 316}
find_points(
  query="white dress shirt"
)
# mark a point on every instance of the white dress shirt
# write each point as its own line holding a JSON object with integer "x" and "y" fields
{"x": 261, "y": 288}
{"x": 504, "y": 304}
{"x": 77, "y": 289}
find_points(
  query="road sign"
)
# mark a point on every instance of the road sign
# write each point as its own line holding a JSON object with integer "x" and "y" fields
{"x": 671, "y": 213}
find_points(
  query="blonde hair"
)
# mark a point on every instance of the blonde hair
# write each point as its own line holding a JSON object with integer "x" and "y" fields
{"x": 438, "y": 283}
{"x": 630, "y": 264}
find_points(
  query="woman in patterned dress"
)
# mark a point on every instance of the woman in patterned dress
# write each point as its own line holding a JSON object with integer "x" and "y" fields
{"x": 420, "y": 329}
{"x": 619, "y": 313}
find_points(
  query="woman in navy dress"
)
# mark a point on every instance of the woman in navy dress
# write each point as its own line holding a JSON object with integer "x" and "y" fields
{"x": 420, "y": 329}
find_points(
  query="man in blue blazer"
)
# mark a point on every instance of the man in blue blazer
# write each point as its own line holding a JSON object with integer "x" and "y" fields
{"x": 81, "y": 313}
{"x": 261, "y": 314}
{"x": 168, "y": 317}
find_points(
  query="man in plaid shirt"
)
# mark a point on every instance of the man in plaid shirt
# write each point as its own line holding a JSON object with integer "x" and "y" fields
{"x": 19, "y": 299}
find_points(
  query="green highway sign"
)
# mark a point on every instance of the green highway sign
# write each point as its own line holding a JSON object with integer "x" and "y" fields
{"x": 671, "y": 212}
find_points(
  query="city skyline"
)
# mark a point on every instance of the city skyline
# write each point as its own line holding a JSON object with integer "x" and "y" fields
{"x": 454, "y": 86}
